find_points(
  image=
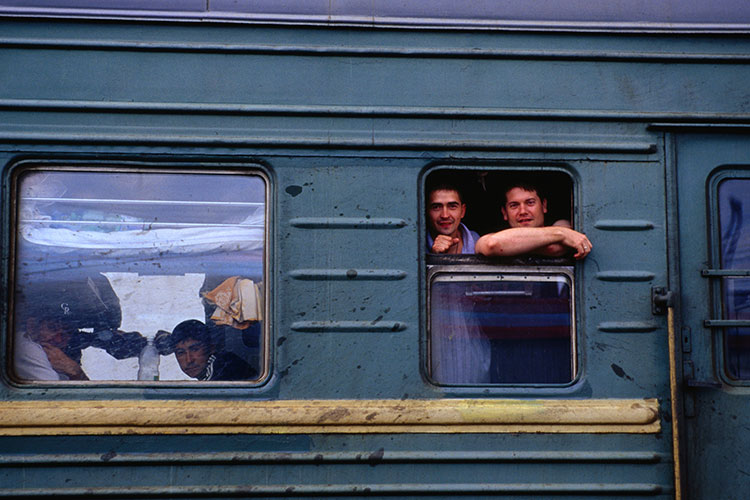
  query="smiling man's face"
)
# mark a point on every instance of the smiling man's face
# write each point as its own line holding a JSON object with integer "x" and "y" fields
{"x": 524, "y": 208}
{"x": 445, "y": 211}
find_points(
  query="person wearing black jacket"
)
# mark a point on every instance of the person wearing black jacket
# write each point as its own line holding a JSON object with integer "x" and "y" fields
{"x": 199, "y": 359}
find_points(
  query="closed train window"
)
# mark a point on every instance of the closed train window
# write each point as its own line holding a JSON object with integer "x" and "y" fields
{"x": 125, "y": 274}
{"x": 492, "y": 325}
{"x": 734, "y": 203}
{"x": 498, "y": 319}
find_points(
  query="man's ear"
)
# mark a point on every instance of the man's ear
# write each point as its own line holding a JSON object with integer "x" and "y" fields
{"x": 544, "y": 206}
{"x": 505, "y": 213}
{"x": 463, "y": 210}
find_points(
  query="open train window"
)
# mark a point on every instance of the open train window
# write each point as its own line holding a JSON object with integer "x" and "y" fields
{"x": 483, "y": 193}
{"x": 497, "y": 320}
{"x": 733, "y": 195}
{"x": 125, "y": 274}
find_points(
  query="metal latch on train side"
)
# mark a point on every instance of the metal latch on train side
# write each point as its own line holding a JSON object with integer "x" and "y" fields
{"x": 661, "y": 300}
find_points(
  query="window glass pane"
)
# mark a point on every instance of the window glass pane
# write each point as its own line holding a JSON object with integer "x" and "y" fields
{"x": 108, "y": 263}
{"x": 734, "y": 198}
{"x": 501, "y": 329}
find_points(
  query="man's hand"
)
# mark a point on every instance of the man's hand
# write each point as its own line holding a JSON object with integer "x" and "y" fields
{"x": 578, "y": 242}
{"x": 63, "y": 364}
{"x": 445, "y": 244}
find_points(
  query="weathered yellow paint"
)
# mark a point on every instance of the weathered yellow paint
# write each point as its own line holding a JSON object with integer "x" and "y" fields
{"x": 674, "y": 398}
{"x": 329, "y": 416}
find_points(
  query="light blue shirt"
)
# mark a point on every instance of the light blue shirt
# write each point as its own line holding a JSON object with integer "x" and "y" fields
{"x": 468, "y": 237}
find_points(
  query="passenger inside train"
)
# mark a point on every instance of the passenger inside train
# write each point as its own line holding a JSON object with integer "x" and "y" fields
{"x": 506, "y": 319}
{"x": 516, "y": 214}
{"x": 40, "y": 349}
{"x": 199, "y": 358}
{"x": 445, "y": 211}
{"x": 57, "y": 321}
{"x": 125, "y": 252}
{"x": 524, "y": 209}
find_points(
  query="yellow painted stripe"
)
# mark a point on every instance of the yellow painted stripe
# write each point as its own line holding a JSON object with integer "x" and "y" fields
{"x": 674, "y": 398}
{"x": 329, "y": 416}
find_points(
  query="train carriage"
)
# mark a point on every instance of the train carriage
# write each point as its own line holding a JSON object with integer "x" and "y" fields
{"x": 263, "y": 170}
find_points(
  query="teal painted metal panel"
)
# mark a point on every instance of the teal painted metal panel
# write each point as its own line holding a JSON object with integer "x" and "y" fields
{"x": 347, "y": 124}
{"x": 714, "y": 403}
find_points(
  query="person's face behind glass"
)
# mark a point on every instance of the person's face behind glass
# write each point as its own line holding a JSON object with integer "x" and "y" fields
{"x": 192, "y": 356}
{"x": 53, "y": 332}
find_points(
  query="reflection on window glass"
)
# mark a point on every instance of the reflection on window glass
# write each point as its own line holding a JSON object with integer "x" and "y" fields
{"x": 501, "y": 329}
{"x": 125, "y": 275}
{"x": 734, "y": 200}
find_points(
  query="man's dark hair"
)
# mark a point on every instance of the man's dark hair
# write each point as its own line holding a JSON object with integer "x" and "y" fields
{"x": 443, "y": 185}
{"x": 80, "y": 302}
{"x": 42, "y": 303}
{"x": 191, "y": 329}
{"x": 525, "y": 184}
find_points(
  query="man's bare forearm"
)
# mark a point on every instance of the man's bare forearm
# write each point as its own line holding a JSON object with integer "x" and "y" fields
{"x": 550, "y": 241}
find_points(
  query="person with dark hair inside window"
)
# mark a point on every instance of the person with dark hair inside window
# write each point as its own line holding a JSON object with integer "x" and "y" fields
{"x": 56, "y": 322}
{"x": 40, "y": 348}
{"x": 524, "y": 208}
{"x": 198, "y": 358}
{"x": 459, "y": 351}
{"x": 445, "y": 210}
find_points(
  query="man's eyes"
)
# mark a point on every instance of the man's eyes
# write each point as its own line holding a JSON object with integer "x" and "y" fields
{"x": 516, "y": 205}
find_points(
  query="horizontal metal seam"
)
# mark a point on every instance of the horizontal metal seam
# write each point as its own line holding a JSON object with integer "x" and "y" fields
{"x": 371, "y": 51}
{"x": 349, "y": 489}
{"x": 643, "y": 457}
{"x": 407, "y": 20}
{"x": 326, "y": 142}
{"x": 390, "y": 112}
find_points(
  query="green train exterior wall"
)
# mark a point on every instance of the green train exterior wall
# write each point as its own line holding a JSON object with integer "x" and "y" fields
{"x": 346, "y": 123}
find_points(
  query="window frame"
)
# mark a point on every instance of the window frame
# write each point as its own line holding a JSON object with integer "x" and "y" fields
{"x": 534, "y": 274}
{"x": 12, "y": 181}
{"x": 718, "y": 272}
{"x": 544, "y": 173}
